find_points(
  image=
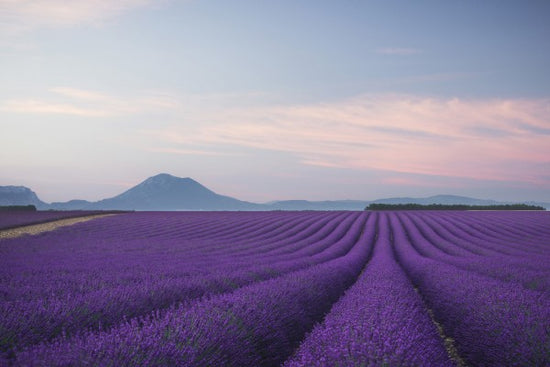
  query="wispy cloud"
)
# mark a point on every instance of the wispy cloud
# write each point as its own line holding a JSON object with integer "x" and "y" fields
{"x": 397, "y": 51}
{"x": 199, "y": 152}
{"x": 18, "y": 16}
{"x": 88, "y": 103}
{"x": 47, "y": 108}
{"x": 394, "y": 133}
{"x": 81, "y": 94}
{"x": 428, "y": 78}
{"x": 483, "y": 139}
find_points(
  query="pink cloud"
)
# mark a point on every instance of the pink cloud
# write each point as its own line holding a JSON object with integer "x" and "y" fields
{"x": 478, "y": 139}
{"x": 41, "y": 107}
{"x": 192, "y": 152}
{"x": 88, "y": 103}
{"x": 18, "y": 16}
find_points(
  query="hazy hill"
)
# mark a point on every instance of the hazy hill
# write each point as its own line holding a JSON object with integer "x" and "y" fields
{"x": 71, "y": 205}
{"x": 20, "y": 195}
{"x": 167, "y": 192}
{"x": 437, "y": 199}
{"x": 360, "y": 205}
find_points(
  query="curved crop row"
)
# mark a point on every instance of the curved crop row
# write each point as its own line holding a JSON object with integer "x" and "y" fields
{"x": 530, "y": 274}
{"x": 476, "y": 228}
{"x": 132, "y": 291}
{"x": 380, "y": 321}
{"x": 244, "y": 288}
{"x": 258, "y": 325}
{"x": 505, "y": 225}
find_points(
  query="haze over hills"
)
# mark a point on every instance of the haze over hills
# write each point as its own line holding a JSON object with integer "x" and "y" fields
{"x": 167, "y": 192}
{"x": 20, "y": 195}
{"x": 438, "y": 199}
{"x": 164, "y": 192}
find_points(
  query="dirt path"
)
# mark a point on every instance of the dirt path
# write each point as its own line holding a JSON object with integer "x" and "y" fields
{"x": 45, "y": 227}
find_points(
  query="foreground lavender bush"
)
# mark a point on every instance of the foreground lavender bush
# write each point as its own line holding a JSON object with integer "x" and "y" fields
{"x": 380, "y": 321}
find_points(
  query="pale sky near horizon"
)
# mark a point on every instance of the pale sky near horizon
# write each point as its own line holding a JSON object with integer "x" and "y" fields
{"x": 268, "y": 100}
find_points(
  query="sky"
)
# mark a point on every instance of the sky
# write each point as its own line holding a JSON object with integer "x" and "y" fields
{"x": 272, "y": 100}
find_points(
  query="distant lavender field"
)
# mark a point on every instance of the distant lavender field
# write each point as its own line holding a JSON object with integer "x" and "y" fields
{"x": 18, "y": 218}
{"x": 280, "y": 288}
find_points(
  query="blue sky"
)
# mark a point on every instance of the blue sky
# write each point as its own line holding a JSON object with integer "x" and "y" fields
{"x": 277, "y": 100}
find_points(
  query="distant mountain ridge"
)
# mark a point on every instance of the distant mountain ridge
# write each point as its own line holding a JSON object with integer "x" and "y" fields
{"x": 163, "y": 192}
{"x": 20, "y": 195}
{"x": 167, "y": 192}
{"x": 438, "y": 199}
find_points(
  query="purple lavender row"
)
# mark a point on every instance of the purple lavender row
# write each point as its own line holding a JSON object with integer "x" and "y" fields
{"x": 465, "y": 239}
{"x": 194, "y": 225}
{"x": 249, "y": 237}
{"x": 491, "y": 321}
{"x": 267, "y": 225}
{"x": 320, "y": 245}
{"x": 462, "y": 235}
{"x": 317, "y": 246}
{"x": 470, "y": 229}
{"x": 27, "y": 322}
{"x": 98, "y": 231}
{"x": 258, "y": 325}
{"x": 528, "y": 273}
{"x": 532, "y": 270}
{"x": 259, "y": 230}
{"x": 125, "y": 294}
{"x": 380, "y": 321}
{"x": 63, "y": 259}
{"x": 439, "y": 238}
{"x": 12, "y": 219}
{"x": 486, "y": 226}
{"x": 25, "y": 261}
{"x": 287, "y": 246}
{"x": 535, "y": 223}
{"x": 283, "y": 236}
{"x": 503, "y": 224}
{"x": 215, "y": 232}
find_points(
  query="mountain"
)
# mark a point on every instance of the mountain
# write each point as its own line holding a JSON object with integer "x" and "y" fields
{"x": 360, "y": 205}
{"x": 72, "y": 205}
{"x": 20, "y": 195}
{"x": 160, "y": 192}
{"x": 167, "y": 192}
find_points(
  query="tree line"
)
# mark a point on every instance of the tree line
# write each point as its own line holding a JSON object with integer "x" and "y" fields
{"x": 411, "y": 206}
{"x": 26, "y": 208}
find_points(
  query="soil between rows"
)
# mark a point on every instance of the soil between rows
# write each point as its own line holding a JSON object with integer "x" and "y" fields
{"x": 35, "y": 229}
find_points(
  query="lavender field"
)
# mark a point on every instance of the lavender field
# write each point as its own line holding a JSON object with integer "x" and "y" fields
{"x": 280, "y": 288}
